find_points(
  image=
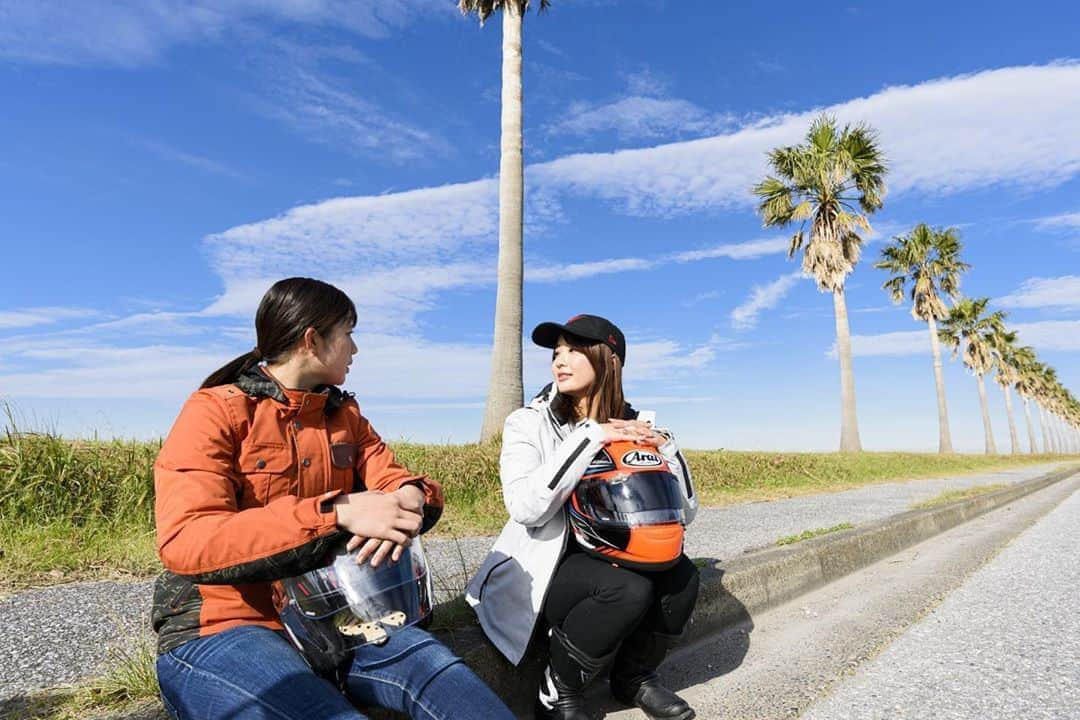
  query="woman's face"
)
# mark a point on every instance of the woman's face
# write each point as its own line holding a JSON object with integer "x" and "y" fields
{"x": 335, "y": 354}
{"x": 573, "y": 372}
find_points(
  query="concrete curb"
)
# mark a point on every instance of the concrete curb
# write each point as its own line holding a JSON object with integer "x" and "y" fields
{"x": 733, "y": 591}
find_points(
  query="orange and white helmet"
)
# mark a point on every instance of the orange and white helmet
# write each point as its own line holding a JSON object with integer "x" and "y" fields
{"x": 628, "y": 508}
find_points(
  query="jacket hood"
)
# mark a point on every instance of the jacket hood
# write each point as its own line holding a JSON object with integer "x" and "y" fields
{"x": 256, "y": 383}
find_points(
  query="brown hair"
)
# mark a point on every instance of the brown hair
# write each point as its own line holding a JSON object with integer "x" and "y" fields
{"x": 606, "y": 392}
{"x": 286, "y": 311}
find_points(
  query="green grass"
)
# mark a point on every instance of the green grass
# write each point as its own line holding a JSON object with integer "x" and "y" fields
{"x": 950, "y": 496}
{"x": 807, "y": 534}
{"x": 72, "y": 509}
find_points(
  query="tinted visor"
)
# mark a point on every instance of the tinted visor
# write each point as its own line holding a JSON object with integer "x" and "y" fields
{"x": 639, "y": 498}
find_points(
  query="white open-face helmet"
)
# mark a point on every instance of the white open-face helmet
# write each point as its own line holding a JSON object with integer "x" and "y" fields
{"x": 342, "y": 605}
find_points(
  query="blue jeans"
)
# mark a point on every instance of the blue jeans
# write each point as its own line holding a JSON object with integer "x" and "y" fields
{"x": 253, "y": 672}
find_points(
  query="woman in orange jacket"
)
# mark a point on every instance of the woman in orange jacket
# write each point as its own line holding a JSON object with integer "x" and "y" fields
{"x": 268, "y": 467}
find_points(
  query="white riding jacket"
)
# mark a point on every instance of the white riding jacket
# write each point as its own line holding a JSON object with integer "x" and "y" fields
{"x": 542, "y": 461}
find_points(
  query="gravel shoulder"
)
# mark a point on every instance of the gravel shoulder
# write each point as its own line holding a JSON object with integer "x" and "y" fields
{"x": 64, "y": 634}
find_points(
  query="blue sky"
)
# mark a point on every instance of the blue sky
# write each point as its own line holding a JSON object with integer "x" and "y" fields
{"x": 164, "y": 161}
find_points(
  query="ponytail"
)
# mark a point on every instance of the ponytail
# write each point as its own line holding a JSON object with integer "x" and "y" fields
{"x": 286, "y": 311}
{"x": 232, "y": 370}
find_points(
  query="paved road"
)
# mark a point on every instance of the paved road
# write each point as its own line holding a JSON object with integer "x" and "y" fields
{"x": 1006, "y": 644}
{"x": 1009, "y": 638}
{"x": 64, "y": 634}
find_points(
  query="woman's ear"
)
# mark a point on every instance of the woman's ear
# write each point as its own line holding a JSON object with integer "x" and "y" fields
{"x": 309, "y": 341}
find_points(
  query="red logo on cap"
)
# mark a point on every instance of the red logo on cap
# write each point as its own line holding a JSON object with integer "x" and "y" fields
{"x": 611, "y": 339}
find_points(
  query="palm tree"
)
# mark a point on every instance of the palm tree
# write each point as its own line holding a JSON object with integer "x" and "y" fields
{"x": 969, "y": 330}
{"x": 1048, "y": 383}
{"x": 929, "y": 259}
{"x": 505, "y": 392}
{"x": 1026, "y": 386}
{"x": 1003, "y": 343}
{"x": 822, "y": 182}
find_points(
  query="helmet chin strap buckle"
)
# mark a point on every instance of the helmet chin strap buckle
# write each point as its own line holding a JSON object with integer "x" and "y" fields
{"x": 372, "y": 631}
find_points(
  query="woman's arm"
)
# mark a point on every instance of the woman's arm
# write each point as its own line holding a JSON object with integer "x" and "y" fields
{"x": 534, "y": 490}
{"x": 201, "y": 532}
{"x": 677, "y": 463}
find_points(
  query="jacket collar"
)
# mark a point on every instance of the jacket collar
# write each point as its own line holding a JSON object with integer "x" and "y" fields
{"x": 256, "y": 382}
{"x": 541, "y": 402}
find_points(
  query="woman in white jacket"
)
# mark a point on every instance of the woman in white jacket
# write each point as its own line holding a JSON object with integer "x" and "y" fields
{"x": 598, "y": 612}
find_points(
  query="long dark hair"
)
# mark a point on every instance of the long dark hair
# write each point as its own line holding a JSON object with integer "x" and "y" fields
{"x": 606, "y": 390}
{"x": 288, "y": 308}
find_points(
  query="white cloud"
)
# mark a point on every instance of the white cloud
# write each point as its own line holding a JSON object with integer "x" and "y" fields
{"x": 30, "y": 317}
{"x": 640, "y": 118}
{"x": 577, "y": 271}
{"x": 198, "y": 162}
{"x": 737, "y": 251}
{"x": 139, "y": 31}
{"x": 1055, "y": 222}
{"x": 385, "y": 299}
{"x": 1012, "y": 126}
{"x": 763, "y": 297}
{"x": 750, "y": 250}
{"x": 326, "y": 111}
{"x": 1061, "y": 335}
{"x": 56, "y": 368}
{"x": 1050, "y": 334}
{"x": 1061, "y": 292}
{"x": 358, "y": 234}
{"x": 910, "y": 342}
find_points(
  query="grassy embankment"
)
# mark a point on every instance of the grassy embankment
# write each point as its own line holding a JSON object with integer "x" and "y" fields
{"x": 77, "y": 509}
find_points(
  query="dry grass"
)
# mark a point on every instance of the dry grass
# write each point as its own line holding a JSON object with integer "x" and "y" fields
{"x": 80, "y": 509}
{"x": 950, "y": 496}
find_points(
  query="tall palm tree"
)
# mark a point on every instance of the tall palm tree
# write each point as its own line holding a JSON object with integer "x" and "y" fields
{"x": 834, "y": 182}
{"x": 929, "y": 259}
{"x": 968, "y": 329}
{"x": 1026, "y": 386}
{"x": 1048, "y": 383}
{"x": 1003, "y": 343}
{"x": 505, "y": 392}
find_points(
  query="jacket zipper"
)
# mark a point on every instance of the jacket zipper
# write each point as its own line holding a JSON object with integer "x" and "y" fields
{"x": 566, "y": 465}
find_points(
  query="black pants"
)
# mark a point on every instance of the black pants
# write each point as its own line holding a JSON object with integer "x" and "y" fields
{"x": 598, "y": 605}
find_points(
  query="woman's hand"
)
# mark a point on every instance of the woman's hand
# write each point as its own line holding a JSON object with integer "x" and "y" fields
{"x": 381, "y": 522}
{"x": 632, "y": 431}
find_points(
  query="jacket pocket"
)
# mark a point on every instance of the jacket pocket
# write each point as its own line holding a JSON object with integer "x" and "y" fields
{"x": 265, "y": 471}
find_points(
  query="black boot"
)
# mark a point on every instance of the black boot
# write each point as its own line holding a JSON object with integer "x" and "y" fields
{"x": 634, "y": 680}
{"x": 569, "y": 670}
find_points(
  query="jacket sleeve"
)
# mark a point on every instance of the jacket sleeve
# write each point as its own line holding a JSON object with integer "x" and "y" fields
{"x": 201, "y": 532}
{"x": 677, "y": 463}
{"x": 534, "y": 490}
{"x": 380, "y": 470}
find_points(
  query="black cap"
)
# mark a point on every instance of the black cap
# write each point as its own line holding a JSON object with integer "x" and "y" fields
{"x": 587, "y": 327}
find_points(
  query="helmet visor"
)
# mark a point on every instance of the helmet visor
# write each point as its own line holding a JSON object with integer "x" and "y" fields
{"x": 629, "y": 499}
{"x": 361, "y": 601}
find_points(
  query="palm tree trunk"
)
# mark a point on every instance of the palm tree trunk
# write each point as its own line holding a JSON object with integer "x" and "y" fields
{"x": 849, "y": 421}
{"x": 1055, "y": 434}
{"x": 505, "y": 392}
{"x": 988, "y": 433}
{"x": 944, "y": 436}
{"x": 1014, "y": 442}
{"x": 1033, "y": 447}
{"x": 1042, "y": 423}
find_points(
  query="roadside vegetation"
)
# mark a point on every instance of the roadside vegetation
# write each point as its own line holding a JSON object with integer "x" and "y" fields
{"x": 951, "y": 496}
{"x": 807, "y": 534}
{"x": 78, "y": 509}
